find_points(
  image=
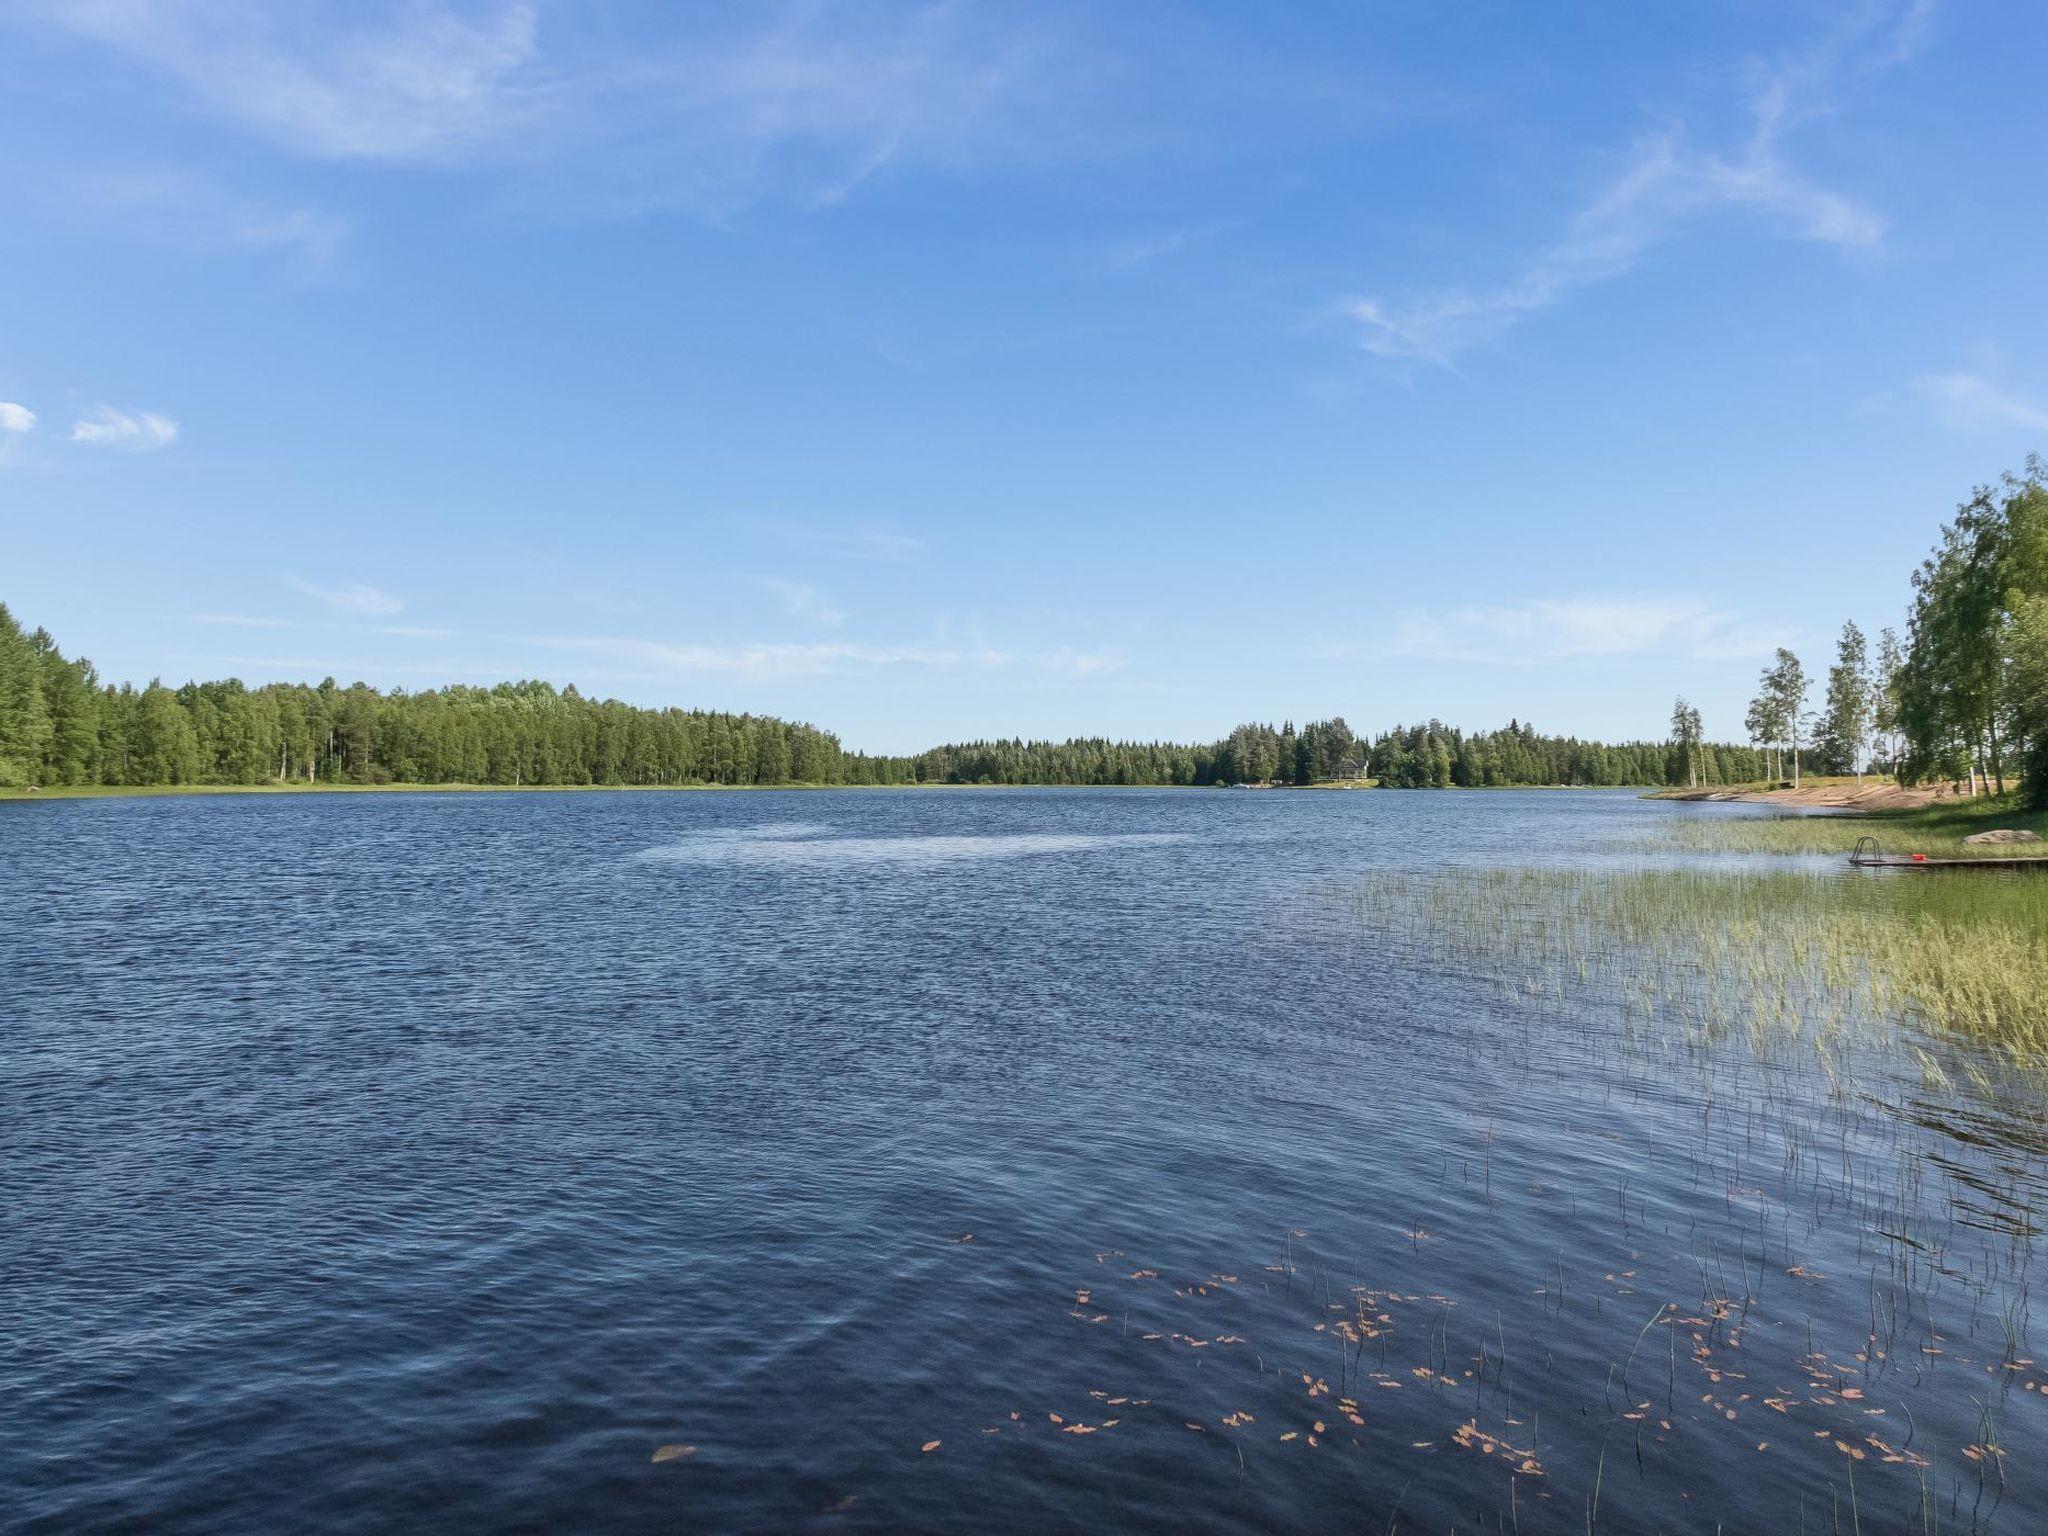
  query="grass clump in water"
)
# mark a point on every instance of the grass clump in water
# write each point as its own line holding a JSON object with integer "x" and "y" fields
{"x": 1767, "y": 952}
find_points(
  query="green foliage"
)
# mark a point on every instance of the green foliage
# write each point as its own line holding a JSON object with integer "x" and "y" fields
{"x": 1885, "y": 718}
{"x": 59, "y": 727}
{"x": 1845, "y": 719}
{"x": 25, "y": 728}
{"x": 1972, "y": 690}
{"x": 1689, "y": 743}
{"x": 1777, "y": 715}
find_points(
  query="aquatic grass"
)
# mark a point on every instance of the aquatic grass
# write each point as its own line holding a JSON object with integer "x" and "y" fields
{"x": 1773, "y": 952}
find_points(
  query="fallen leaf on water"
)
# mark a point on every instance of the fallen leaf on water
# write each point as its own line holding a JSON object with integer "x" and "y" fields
{"x": 671, "y": 1452}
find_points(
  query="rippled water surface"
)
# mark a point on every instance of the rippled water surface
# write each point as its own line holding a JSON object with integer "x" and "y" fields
{"x": 951, "y": 1161}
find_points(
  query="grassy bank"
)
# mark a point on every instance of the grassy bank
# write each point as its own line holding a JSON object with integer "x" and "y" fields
{"x": 1934, "y": 829}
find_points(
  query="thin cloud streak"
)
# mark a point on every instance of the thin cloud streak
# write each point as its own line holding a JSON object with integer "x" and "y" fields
{"x": 795, "y": 100}
{"x": 868, "y": 543}
{"x": 1975, "y": 404}
{"x": 1667, "y": 185}
{"x": 240, "y": 621}
{"x": 826, "y": 658}
{"x": 351, "y": 597}
{"x": 1583, "y": 631}
{"x": 189, "y": 211}
{"x": 300, "y": 668}
{"x": 259, "y": 621}
{"x": 338, "y": 82}
{"x": 801, "y": 600}
{"x": 124, "y": 431}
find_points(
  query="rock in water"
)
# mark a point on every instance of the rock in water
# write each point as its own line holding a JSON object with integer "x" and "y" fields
{"x": 2003, "y": 835}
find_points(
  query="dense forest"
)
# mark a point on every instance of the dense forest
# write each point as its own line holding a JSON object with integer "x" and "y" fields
{"x": 1964, "y": 697}
{"x": 60, "y": 725}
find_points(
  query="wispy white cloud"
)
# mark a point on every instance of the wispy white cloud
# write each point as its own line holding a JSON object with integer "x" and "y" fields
{"x": 1554, "y": 631}
{"x": 297, "y": 668}
{"x": 240, "y": 620}
{"x": 354, "y": 80}
{"x": 677, "y": 107}
{"x": 1667, "y": 184}
{"x": 132, "y": 432}
{"x": 340, "y": 600}
{"x": 825, "y": 658}
{"x": 1973, "y": 403}
{"x": 1143, "y": 250}
{"x": 801, "y": 600}
{"x": 869, "y": 543}
{"x": 190, "y": 211}
{"x": 351, "y": 597}
{"x": 16, "y": 422}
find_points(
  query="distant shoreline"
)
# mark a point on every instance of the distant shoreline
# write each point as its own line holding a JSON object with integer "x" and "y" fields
{"x": 148, "y": 791}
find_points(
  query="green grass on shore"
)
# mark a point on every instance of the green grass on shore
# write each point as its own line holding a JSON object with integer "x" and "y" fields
{"x": 1934, "y": 829}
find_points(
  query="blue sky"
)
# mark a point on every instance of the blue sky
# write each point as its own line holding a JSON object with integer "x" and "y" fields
{"x": 935, "y": 371}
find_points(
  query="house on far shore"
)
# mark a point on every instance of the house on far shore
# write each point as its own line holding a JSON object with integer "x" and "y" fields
{"x": 1351, "y": 768}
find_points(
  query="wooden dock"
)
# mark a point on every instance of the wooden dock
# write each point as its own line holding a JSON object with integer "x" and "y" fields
{"x": 1869, "y": 856}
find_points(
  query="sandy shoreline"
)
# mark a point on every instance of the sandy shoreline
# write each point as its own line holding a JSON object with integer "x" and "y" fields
{"x": 1872, "y": 795}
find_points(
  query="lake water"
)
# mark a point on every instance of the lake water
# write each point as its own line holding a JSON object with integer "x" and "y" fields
{"x": 969, "y": 1161}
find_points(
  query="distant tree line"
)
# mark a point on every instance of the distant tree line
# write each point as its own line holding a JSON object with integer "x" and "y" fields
{"x": 60, "y": 725}
{"x": 1432, "y": 756}
{"x": 1964, "y": 697}
{"x": 1436, "y": 756}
